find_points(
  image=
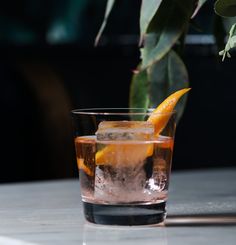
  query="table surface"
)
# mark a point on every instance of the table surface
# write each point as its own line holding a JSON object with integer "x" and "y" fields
{"x": 201, "y": 210}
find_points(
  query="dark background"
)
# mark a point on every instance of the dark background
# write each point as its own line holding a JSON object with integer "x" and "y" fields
{"x": 49, "y": 66}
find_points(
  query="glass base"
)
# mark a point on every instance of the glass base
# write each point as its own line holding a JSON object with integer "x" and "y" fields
{"x": 147, "y": 214}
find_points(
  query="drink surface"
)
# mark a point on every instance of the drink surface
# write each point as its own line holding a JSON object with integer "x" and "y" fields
{"x": 132, "y": 172}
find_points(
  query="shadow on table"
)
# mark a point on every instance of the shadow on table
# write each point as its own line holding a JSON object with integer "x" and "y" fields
{"x": 228, "y": 219}
{"x": 161, "y": 234}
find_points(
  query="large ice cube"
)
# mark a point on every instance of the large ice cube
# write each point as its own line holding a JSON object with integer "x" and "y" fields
{"x": 119, "y": 185}
{"x": 125, "y": 130}
{"x": 127, "y": 185}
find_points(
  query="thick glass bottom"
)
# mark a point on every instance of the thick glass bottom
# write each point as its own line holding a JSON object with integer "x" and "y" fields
{"x": 147, "y": 214}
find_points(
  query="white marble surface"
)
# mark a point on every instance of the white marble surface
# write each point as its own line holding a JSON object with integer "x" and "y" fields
{"x": 201, "y": 210}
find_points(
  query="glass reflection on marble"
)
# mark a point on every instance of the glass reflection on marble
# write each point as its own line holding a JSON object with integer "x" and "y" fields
{"x": 106, "y": 235}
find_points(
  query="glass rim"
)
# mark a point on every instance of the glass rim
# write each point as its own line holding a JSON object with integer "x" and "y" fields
{"x": 118, "y": 111}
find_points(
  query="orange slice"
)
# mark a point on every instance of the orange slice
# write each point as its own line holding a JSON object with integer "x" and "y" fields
{"x": 88, "y": 143}
{"x": 127, "y": 153}
{"x": 81, "y": 165}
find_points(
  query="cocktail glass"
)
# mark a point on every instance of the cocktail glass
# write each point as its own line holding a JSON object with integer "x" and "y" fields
{"x": 124, "y": 167}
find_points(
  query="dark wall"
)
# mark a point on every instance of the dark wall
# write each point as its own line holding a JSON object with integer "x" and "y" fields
{"x": 40, "y": 85}
{"x": 206, "y": 136}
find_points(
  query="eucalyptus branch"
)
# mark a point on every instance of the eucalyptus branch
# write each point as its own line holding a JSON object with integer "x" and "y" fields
{"x": 231, "y": 43}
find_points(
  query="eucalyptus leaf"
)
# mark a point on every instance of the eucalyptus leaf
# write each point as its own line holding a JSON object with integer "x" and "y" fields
{"x": 169, "y": 23}
{"x": 165, "y": 77}
{"x": 148, "y": 10}
{"x": 225, "y": 8}
{"x": 178, "y": 79}
{"x": 139, "y": 90}
{"x": 139, "y": 93}
{"x": 199, "y": 5}
{"x": 150, "y": 43}
{"x": 158, "y": 79}
{"x": 110, "y": 4}
{"x": 231, "y": 43}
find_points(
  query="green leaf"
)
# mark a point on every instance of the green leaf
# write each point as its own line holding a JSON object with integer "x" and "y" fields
{"x": 158, "y": 79}
{"x": 148, "y": 10}
{"x": 231, "y": 43}
{"x": 110, "y": 4}
{"x": 199, "y": 5}
{"x": 150, "y": 87}
{"x": 139, "y": 90}
{"x": 225, "y": 8}
{"x": 139, "y": 93}
{"x": 165, "y": 77}
{"x": 168, "y": 24}
{"x": 150, "y": 43}
{"x": 178, "y": 78}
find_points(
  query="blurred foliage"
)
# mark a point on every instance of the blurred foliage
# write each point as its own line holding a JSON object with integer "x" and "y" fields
{"x": 48, "y": 21}
{"x": 30, "y": 22}
{"x": 227, "y": 9}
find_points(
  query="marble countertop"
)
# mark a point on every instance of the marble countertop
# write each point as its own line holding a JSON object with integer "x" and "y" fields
{"x": 201, "y": 210}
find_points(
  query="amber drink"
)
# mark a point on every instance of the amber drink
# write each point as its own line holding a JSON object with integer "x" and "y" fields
{"x": 124, "y": 167}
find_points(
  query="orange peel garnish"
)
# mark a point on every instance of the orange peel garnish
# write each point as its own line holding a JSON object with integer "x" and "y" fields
{"x": 127, "y": 154}
{"x": 81, "y": 165}
{"x": 161, "y": 115}
{"x": 159, "y": 118}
